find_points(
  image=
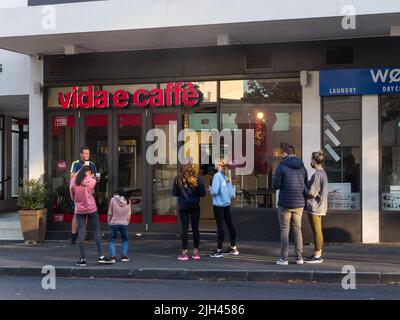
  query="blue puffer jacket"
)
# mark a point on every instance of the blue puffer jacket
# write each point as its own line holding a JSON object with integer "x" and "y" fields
{"x": 291, "y": 180}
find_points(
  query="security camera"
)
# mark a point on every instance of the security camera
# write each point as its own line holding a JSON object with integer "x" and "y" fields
{"x": 39, "y": 57}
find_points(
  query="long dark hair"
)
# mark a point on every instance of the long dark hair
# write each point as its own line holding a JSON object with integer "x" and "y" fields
{"x": 123, "y": 194}
{"x": 82, "y": 174}
{"x": 187, "y": 177}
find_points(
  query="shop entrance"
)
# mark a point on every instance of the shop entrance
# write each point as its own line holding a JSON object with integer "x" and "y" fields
{"x": 116, "y": 137}
{"x": 117, "y": 143}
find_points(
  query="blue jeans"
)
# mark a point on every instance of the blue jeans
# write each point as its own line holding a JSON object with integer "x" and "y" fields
{"x": 114, "y": 229}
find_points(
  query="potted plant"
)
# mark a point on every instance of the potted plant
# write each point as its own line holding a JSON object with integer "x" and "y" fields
{"x": 32, "y": 200}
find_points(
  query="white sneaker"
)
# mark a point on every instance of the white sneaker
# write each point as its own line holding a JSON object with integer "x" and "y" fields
{"x": 299, "y": 261}
{"x": 282, "y": 262}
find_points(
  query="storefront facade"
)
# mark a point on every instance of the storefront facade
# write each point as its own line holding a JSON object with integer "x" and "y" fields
{"x": 282, "y": 102}
{"x": 258, "y": 64}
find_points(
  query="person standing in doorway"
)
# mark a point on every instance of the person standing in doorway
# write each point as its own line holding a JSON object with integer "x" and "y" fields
{"x": 222, "y": 192}
{"x": 84, "y": 159}
{"x": 189, "y": 188}
{"x": 81, "y": 189}
{"x": 317, "y": 203}
{"x": 291, "y": 180}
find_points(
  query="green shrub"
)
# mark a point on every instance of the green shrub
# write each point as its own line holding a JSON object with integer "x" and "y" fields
{"x": 33, "y": 194}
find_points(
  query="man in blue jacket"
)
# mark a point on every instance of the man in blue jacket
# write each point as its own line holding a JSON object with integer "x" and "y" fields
{"x": 291, "y": 180}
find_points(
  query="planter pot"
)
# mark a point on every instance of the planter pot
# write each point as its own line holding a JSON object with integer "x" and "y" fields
{"x": 33, "y": 225}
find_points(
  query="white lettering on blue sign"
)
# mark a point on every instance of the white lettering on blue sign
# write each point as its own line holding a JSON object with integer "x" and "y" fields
{"x": 382, "y": 75}
{"x": 339, "y": 91}
{"x": 343, "y": 82}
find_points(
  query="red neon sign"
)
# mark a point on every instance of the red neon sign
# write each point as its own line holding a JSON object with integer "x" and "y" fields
{"x": 175, "y": 94}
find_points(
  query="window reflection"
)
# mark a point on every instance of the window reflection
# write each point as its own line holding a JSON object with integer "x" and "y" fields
{"x": 342, "y": 146}
{"x": 272, "y": 109}
{"x": 390, "y": 124}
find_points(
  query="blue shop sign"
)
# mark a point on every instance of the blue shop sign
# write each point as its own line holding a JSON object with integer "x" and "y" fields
{"x": 349, "y": 82}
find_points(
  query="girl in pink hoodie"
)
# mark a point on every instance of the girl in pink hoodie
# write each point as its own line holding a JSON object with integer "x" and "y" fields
{"x": 119, "y": 215}
{"x": 82, "y": 190}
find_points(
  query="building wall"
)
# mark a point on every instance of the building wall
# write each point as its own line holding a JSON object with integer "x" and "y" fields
{"x": 47, "y": 2}
{"x": 214, "y": 62}
{"x": 15, "y": 74}
{"x": 36, "y": 115}
{"x": 4, "y": 4}
{"x": 177, "y": 13}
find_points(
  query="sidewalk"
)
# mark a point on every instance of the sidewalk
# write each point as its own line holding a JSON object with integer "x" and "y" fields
{"x": 156, "y": 259}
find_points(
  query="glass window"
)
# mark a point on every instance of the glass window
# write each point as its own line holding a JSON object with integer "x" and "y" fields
{"x": 1, "y": 158}
{"x": 25, "y": 151}
{"x": 272, "y": 108}
{"x": 15, "y": 157}
{"x": 52, "y": 95}
{"x": 63, "y": 144}
{"x": 390, "y": 142}
{"x": 342, "y": 146}
{"x": 130, "y": 151}
{"x": 164, "y": 206}
{"x": 207, "y": 88}
{"x": 202, "y": 119}
{"x": 19, "y": 153}
{"x": 130, "y": 88}
{"x": 96, "y": 138}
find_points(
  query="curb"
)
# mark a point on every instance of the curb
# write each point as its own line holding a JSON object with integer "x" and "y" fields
{"x": 207, "y": 274}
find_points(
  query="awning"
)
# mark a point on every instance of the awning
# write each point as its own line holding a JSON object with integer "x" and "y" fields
{"x": 103, "y": 26}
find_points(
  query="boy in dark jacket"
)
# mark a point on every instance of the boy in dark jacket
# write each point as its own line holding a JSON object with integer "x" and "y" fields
{"x": 291, "y": 180}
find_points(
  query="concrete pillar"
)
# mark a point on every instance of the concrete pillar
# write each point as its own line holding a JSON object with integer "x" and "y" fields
{"x": 311, "y": 115}
{"x": 36, "y": 126}
{"x": 370, "y": 169}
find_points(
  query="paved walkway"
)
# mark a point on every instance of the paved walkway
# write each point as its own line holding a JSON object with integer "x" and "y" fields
{"x": 157, "y": 259}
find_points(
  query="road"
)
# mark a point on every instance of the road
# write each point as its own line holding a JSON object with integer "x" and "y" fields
{"x": 27, "y": 288}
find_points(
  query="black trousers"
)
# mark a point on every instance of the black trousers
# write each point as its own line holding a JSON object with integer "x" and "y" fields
{"x": 192, "y": 212}
{"x": 223, "y": 214}
{"x": 94, "y": 217}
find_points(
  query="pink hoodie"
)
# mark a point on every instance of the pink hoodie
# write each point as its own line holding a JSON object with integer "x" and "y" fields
{"x": 82, "y": 195}
{"x": 119, "y": 212}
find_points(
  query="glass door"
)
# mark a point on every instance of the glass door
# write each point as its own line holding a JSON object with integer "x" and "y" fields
{"x": 62, "y": 149}
{"x": 129, "y": 167}
{"x": 163, "y": 205}
{"x": 96, "y": 134}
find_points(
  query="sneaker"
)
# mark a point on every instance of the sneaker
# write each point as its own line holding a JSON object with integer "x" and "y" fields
{"x": 299, "y": 261}
{"x": 105, "y": 260}
{"x": 73, "y": 238}
{"x": 314, "y": 259}
{"x": 183, "y": 257}
{"x": 125, "y": 259}
{"x": 282, "y": 262}
{"x": 217, "y": 254}
{"x": 231, "y": 251}
{"x": 196, "y": 255}
{"x": 113, "y": 259}
{"x": 81, "y": 263}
